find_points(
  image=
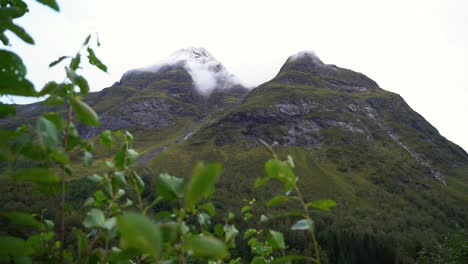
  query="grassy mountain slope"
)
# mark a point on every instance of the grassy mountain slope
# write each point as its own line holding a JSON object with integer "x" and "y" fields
{"x": 399, "y": 184}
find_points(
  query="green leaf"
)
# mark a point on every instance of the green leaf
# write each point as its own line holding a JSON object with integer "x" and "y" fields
{"x": 20, "y": 32}
{"x": 7, "y": 13}
{"x": 57, "y": 61}
{"x": 6, "y": 110}
{"x": 281, "y": 170}
{"x": 95, "y": 178}
{"x": 93, "y": 60}
{"x": 75, "y": 62}
{"x": 12, "y": 76}
{"x": 230, "y": 232}
{"x": 50, "y": 3}
{"x": 87, "y": 40}
{"x": 139, "y": 184}
{"x": 84, "y": 112}
{"x": 303, "y": 224}
{"x": 245, "y": 208}
{"x": 38, "y": 175}
{"x": 263, "y": 218}
{"x": 279, "y": 199}
{"x": 61, "y": 157}
{"x": 106, "y": 138}
{"x": 49, "y": 88}
{"x": 4, "y": 39}
{"x": 94, "y": 218}
{"x": 206, "y": 247}
{"x": 47, "y": 133}
{"x": 22, "y": 219}
{"x": 276, "y": 239}
{"x": 82, "y": 242}
{"x": 87, "y": 158}
{"x": 83, "y": 84}
{"x": 249, "y": 232}
{"x": 132, "y": 155}
{"x": 260, "y": 182}
{"x": 201, "y": 184}
{"x": 293, "y": 259}
{"x": 323, "y": 205}
{"x": 71, "y": 74}
{"x": 169, "y": 187}
{"x": 13, "y": 246}
{"x": 119, "y": 158}
{"x": 209, "y": 208}
{"x": 139, "y": 232}
{"x": 118, "y": 179}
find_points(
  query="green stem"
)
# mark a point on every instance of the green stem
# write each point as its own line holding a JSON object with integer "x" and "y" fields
{"x": 62, "y": 190}
{"x": 311, "y": 229}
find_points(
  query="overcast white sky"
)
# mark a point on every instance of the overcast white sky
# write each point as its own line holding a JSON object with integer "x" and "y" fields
{"x": 418, "y": 49}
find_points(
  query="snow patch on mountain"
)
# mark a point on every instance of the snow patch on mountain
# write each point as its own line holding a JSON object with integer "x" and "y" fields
{"x": 309, "y": 54}
{"x": 207, "y": 73}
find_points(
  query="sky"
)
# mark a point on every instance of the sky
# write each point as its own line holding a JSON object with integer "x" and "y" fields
{"x": 418, "y": 48}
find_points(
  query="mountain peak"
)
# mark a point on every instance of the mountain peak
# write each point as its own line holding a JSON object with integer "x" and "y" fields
{"x": 305, "y": 67}
{"x": 307, "y": 55}
{"x": 206, "y": 71}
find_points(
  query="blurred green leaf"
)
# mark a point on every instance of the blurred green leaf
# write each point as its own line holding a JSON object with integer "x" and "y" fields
{"x": 8, "y": 13}
{"x": 209, "y": 208}
{"x": 279, "y": 199}
{"x": 87, "y": 40}
{"x": 38, "y": 175}
{"x": 202, "y": 183}
{"x": 57, "y": 61}
{"x": 20, "y": 32}
{"x": 12, "y": 76}
{"x": 49, "y": 88}
{"x": 4, "y": 39}
{"x": 22, "y": 218}
{"x": 281, "y": 170}
{"x": 303, "y": 224}
{"x": 47, "y": 133}
{"x": 169, "y": 187}
{"x": 84, "y": 113}
{"x": 95, "y": 178}
{"x": 13, "y": 246}
{"x": 132, "y": 155}
{"x": 50, "y": 3}
{"x": 87, "y": 158}
{"x": 82, "y": 242}
{"x": 119, "y": 158}
{"x": 75, "y": 62}
{"x": 292, "y": 259}
{"x": 139, "y": 232}
{"x": 323, "y": 205}
{"x": 230, "y": 232}
{"x": 60, "y": 156}
{"x": 93, "y": 60}
{"x": 249, "y": 232}
{"x": 276, "y": 239}
{"x": 94, "y": 218}
{"x": 206, "y": 247}
{"x": 118, "y": 179}
{"x": 6, "y": 110}
{"x": 106, "y": 138}
{"x": 83, "y": 84}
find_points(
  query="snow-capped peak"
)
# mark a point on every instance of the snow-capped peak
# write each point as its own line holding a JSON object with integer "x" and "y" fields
{"x": 309, "y": 54}
{"x": 207, "y": 73}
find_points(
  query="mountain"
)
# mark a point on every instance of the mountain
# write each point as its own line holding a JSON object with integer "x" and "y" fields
{"x": 399, "y": 184}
